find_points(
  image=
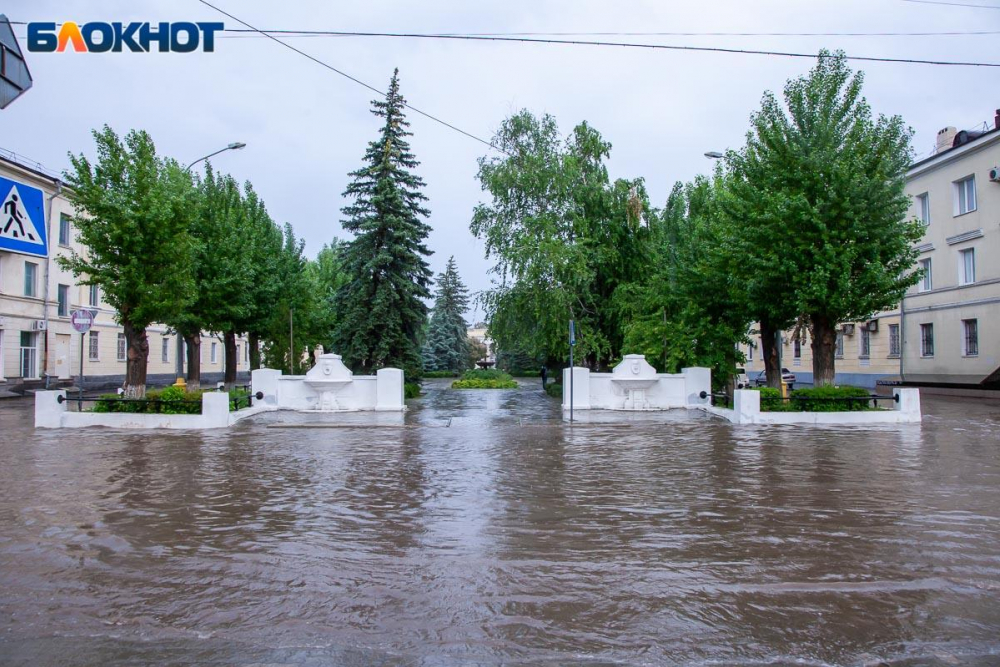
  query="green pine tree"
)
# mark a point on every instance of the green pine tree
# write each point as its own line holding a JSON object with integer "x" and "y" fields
{"x": 447, "y": 346}
{"x": 381, "y": 308}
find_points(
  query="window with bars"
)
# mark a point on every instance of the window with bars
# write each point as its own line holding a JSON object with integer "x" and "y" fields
{"x": 866, "y": 343}
{"x": 95, "y": 346}
{"x": 840, "y": 345}
{"x": 797, "y": 348}
{"x": 927, "y": 340}
{"x": 970, "y": 330}
{"x": 122, "y": 346}
{"x": 893, "y": 340}
{"x": 165, "y": 350}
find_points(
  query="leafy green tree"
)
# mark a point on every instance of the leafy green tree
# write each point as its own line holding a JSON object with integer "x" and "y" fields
{"x": 564, "y": 239}
{"x": 381, "y": 312}
{"x": 447, "y": 344}
{"x": 823, "y": 183}
{"x": 263, "y": 252}
{"x": 136, "y": 215}
{"x": 688, "y": 310}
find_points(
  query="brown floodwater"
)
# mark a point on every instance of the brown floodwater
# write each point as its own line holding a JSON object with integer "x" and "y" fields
{"x": 479, "y": 528}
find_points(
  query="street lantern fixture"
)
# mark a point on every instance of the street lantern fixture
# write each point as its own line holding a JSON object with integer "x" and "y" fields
{"x": 235, "y": 146}
{"x": 714, "y": 155}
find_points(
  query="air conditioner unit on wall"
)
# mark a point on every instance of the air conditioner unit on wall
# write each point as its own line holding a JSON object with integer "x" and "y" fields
{"x": 39, "y": 325}
{"x": 873, "y": 325}
{"x": 847, "y": 329}
{"x": 995, "y": 174}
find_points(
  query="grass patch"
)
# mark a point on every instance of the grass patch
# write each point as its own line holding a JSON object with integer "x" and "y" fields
{"x": 485, "y": 379}
{"x": 555, "y": 390}
{"x": 440, "y": 374}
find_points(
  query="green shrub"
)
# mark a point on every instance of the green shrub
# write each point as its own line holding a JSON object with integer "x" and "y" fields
{"x": 484, "y": 384}
{"x": 440, "y": 374}
{"x": 555, "y": 390}
{"x": 520, "y": 373}
{"x": 411, "y": 390}
{"x": 238, "y": 399}
{"x": 817, "y": 404}
{"x": 770, "y": 401}
{"x": 487, "y": 374}
{"x": 176, "y": 401}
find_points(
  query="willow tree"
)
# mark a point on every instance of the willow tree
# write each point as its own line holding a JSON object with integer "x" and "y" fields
{"x": 135, "y": 218}
{"x": 824, "y": 183}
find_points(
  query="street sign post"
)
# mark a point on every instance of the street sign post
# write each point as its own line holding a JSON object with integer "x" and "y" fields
{"x": 572, "y": 343}
{"x": 82, "y": 320}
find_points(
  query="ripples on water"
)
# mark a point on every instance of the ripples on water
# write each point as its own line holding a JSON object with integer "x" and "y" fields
{"x": 480, "y": 528}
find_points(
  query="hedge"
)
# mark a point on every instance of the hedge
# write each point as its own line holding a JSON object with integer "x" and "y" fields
{"x": 485, "y": 379}
{"x": 770, "y": 400}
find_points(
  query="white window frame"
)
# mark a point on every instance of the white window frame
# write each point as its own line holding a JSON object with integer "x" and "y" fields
{"x": 749, "y": 351}
{"x": 964, "y": 277}
{"x": 95, "y": 296}
{"x": 165, "y": 350}
{"x": 926, "y": 283}
{"x": 238, "y": 354}
{"x": 121, "y": 347}
{"x": 839, "y": 348}
{"x": 64, "y": 241}
{"x": 865, "y": 343}
{"x": 214, "y": 353}
{"x": 32, "y": 352}
{"x": 965, "y": 337}
{"x": 62, "y": 304}
{"x": 34, "y": 280}
{"x": 924, "y": 208}
{"x": 965, "y": 195}
{"x": 924, "y": 328}
{"x": 94, "y": 346}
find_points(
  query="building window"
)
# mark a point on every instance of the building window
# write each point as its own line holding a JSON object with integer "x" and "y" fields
{"x": 797, "y": 348}
{"x": 246, "y": 352}
{"x": 926, "y": 282}
{"x": 840, "y": 345}
{"x": 970, "y": 329}
{"x": 95, "y": 296}
{"x": 927, "y": 340}
{"x": 214, "y": 354}
{"x": 30, "y": 279}
{"x": 165, "y": 350}
{"x": 965, "y": 195}
{"x": 237, "y": 354}
{"x": 924, "y": 208}
{"x": 749, "y": 351}
{"x": 95, "y": 346}
{"x": 121, "y": 347}
{"x": 866, "y": 343}
{"x": 63, "y": 229}
{"x": 893, "y": 340}
{"x": 62, "y": 295}
{"x": 29, "y": 358}
{"x": 966, "y": 266}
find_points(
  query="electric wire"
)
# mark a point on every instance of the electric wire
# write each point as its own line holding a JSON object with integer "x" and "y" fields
{"x": 351, "y": 78}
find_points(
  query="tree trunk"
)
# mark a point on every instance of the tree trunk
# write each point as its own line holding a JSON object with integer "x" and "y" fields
{"x": 193, "y": 345}
{"x": 253, "y": 342}
{"x": 824, "y": 350}
{"x": 136, "y": 358}
{"x": 769, "y": 353}
{"x": 229, "y": 342}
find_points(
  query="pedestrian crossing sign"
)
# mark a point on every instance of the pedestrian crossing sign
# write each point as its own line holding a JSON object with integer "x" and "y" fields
{"x": 22, "y": 219}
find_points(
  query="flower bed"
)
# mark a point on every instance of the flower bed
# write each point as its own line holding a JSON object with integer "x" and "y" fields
{"x": 485, "y": 379}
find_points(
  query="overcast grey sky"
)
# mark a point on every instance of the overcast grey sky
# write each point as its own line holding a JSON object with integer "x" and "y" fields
{"x": 306, "y": 127}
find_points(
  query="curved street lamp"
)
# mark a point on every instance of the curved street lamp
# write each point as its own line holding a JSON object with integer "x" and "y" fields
{"x": 235, "y": 146}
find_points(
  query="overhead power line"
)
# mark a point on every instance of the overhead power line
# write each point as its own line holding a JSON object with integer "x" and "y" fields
{"x": 952, "y": 4}
{"x": 317, "y": 33}
{"x": 634, "y": 45}
{"x": 348, "y": 76}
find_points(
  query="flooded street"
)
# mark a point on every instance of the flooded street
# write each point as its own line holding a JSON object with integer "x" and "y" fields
{"x": 481, "y": 529}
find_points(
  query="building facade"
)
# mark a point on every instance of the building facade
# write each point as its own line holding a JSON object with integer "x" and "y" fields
{"x": 946, "y": 331}
{"x": 37, "y": 296}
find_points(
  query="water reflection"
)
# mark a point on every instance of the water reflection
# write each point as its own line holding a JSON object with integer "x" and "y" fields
{"x": 480, "y": 527}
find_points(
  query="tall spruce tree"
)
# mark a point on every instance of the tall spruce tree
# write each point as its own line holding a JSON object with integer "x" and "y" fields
{"x": 381, "y": 307}
{"x": 447, "y": 346}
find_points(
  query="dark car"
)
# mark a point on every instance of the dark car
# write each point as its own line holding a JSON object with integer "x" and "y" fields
{"x": 760, "y": 380}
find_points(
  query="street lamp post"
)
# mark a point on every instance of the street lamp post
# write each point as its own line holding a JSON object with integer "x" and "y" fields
{"x": 235, "y": 146}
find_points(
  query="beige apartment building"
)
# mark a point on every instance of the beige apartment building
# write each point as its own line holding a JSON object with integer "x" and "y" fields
{"x": 946, "y": 331}
{"x": 37, "y": 296}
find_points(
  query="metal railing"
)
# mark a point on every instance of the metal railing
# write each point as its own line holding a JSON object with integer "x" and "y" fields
{"x": 869, "y": 398}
